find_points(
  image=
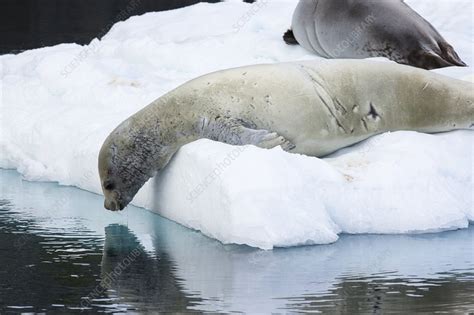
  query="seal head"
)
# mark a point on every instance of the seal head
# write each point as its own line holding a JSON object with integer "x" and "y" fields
{"x": 122, "y": 168}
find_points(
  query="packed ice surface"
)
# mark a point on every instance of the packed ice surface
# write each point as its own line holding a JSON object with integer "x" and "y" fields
{"x": 402, "y": 182}
{"x": 59, "y": 103}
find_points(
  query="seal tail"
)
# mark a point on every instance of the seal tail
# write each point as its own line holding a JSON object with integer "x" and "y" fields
{"x": 289, "y": 38}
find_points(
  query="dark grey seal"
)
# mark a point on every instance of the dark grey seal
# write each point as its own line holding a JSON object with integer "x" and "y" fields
{"x": 370, "y": 28}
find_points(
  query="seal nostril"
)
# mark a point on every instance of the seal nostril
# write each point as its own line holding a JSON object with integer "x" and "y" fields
{"x": 111, "y": 205}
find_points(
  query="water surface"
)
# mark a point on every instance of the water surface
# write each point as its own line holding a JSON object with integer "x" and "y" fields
{"x": 60, "y": 252}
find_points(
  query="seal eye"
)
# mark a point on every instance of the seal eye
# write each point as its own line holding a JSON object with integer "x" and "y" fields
{"x": 109, "y": 185}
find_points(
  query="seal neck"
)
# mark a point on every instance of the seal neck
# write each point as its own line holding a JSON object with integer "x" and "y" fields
{"x": 161, "y": 129}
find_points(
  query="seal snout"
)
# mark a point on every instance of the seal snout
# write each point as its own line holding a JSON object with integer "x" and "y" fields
{"x": 113, "y": 205}
{"x": 113, "y": 200}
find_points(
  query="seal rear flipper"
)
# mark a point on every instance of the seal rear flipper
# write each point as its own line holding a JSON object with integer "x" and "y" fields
{"x": 237, "y": 132}
{"x": 450, "y": 55}
{"x": 289, "y": 38}
{"x": 431, "y": 60}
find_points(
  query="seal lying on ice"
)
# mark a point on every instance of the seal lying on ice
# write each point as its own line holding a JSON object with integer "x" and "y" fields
{"x": 313, "y": 108}
{"x": 370, "y": 28}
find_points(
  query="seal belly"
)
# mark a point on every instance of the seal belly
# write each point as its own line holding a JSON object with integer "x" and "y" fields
{"x": 288, "y": 105}
{"x": 293, "y": 100}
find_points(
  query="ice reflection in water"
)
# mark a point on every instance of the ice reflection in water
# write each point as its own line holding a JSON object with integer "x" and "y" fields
{"x": 61, "y": 252}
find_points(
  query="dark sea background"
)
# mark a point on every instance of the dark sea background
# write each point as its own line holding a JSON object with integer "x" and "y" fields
{"x": 27, "y": 24}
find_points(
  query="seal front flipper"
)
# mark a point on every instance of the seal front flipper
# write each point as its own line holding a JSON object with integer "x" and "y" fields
{"x": 273, "y": 139}
{"x": 239, "y": 132}
{"x": 290, "y": 38}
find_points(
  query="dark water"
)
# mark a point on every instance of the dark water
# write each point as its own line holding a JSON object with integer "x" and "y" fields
{"x": 61, "y": 253}
{"x": 27, "y": 24}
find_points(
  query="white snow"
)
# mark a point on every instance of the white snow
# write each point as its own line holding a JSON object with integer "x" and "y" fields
{"x": 59, "y": 103}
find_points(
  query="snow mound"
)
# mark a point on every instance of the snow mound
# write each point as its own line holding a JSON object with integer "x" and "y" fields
{"x": 402, "y": 182}
{"x": 58, "y": 104}
{"x": 246, "y": 195}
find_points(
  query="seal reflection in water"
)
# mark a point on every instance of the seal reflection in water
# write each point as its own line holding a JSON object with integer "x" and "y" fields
{"x": 312, "y": 108}
{"x": 369, "y": 28}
